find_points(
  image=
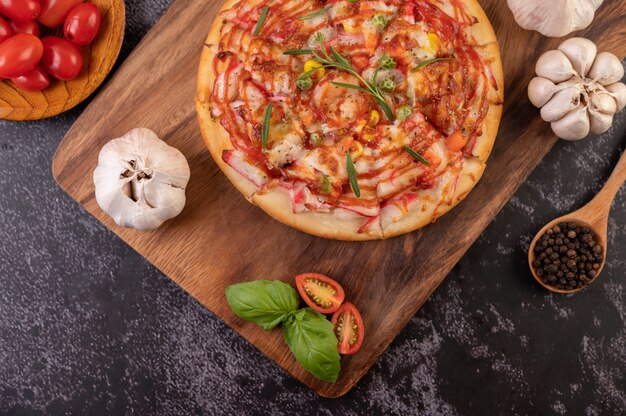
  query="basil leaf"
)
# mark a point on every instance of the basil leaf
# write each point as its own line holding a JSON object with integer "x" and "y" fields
{"x": 265, "y": 302}
{"x": 311, "y": 339}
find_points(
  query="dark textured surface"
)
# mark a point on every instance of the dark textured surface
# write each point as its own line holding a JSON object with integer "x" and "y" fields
{"x": 89, "y": 327}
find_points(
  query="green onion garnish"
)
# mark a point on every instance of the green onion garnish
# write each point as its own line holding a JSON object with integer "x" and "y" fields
{"x": 416, "y": 155}
{"x": 265, "y": 128}
{"x": 430, "y": 61}
{"x": 352, "y": 175}
{"x": 257, "y": 28}
{"x": 315, "y": 13}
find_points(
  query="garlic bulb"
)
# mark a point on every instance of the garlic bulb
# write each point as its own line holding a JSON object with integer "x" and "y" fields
{"x": 554, "y": 18}
{"x": 578, "y": 89}
{"x": 140, "y": 181}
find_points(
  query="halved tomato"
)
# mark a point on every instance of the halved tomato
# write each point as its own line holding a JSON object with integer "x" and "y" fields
{"x": 348, "y": 327}
{"x": 320, "y": 292}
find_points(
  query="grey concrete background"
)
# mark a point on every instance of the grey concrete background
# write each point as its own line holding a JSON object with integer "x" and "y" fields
{"x": 89, "y": 327}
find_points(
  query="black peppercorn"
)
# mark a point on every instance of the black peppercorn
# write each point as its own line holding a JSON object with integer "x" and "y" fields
{"x": 567, "y": 256}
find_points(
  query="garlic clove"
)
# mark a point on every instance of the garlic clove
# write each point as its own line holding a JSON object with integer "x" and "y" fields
{"x": 618, "y": 90}
{"x": 554, "y": 18}
{"x": 599, "y": 122}
{"x": 555, "y": 66}
{"x": 140, "y": 180}
{"x": 603, "y": 102}
{"x": 607, "y": 69}
{"x": 540, "y": 90}
{"x": 560, "y": 104}
{"x": 574, "y": 125}
{"x": 581, "y": 53}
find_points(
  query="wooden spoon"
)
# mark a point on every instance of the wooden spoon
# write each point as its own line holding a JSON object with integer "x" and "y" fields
{"x": 594, "y": 215}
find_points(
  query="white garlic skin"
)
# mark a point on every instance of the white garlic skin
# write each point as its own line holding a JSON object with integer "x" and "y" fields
{"x": 573, "y": 126}
{"x": 555, "y": 66}
{"x": 581, "y": 53}
{"x": 599, "y": 122}
{"x": 560, "y": 104}
{"x": 140, "y": 180}
{"x": 540, "y": 90}
{"x": 606, "y": 69}
{"x": 619, "y": 93}
{"x": 554, "y": 18}
{"x": 578, "y": 89}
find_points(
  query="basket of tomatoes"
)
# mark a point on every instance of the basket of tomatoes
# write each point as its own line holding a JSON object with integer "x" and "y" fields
{"x": 48, "y": 43}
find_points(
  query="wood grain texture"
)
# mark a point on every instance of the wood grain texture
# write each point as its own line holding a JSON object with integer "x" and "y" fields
{"x": 220, "y": 239}
{"x": 60, "y": 96}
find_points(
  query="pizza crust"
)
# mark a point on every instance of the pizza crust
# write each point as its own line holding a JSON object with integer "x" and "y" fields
{"x": 421, "y": 216}
{"x": 215, "y": 136}
{"x": 482, "y": 32}
{"x": 277, "y": 202}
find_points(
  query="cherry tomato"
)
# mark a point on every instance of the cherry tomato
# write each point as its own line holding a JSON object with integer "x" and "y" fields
{"x": 35, "y": 80}
{"x": 29, "y": 26}
{"x": 61, "y": 58}
{"x": 19, "y": 54}
{"x": 20, "y": 10}
{"x": 320, "y": 292}
{"x": 82, "y": 24}
{"x": 53, "y": 12}
{"x": 348, "y": 327}
{"x": 5, "y": 30}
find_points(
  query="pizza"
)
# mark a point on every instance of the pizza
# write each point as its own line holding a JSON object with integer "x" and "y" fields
{"x": 351, "y": 119}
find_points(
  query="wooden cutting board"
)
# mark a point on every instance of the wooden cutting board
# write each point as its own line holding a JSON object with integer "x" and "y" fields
{"x": 220, "y": 239}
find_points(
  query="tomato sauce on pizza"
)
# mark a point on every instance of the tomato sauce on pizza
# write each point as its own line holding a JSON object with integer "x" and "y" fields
{"x": 368, "y": 110}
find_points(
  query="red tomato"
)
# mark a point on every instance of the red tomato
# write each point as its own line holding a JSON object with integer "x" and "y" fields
{"x": 82, "y": 24}
{"x": 29, "y": 26}
{"x": 348, "y": 327}
{"x": 35, "y": 80}
{"x": 61, "y": 58}
{"x": 19, "y": 54}
{"x": 320, "y": 292}
{"x": 5, "y": 30}
{"x": 53, "y": 12}
{"x": 20, "y": 10}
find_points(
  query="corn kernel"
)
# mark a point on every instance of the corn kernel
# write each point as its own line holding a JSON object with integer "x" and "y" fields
{"x": 349, "y": 27}
{"x": 356, "y": 149}
{"x": 311, "y": 65}
{"x": 374, "y": 118}
{"x": 368, "y": 137}
{"x": 433, "y": 43}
